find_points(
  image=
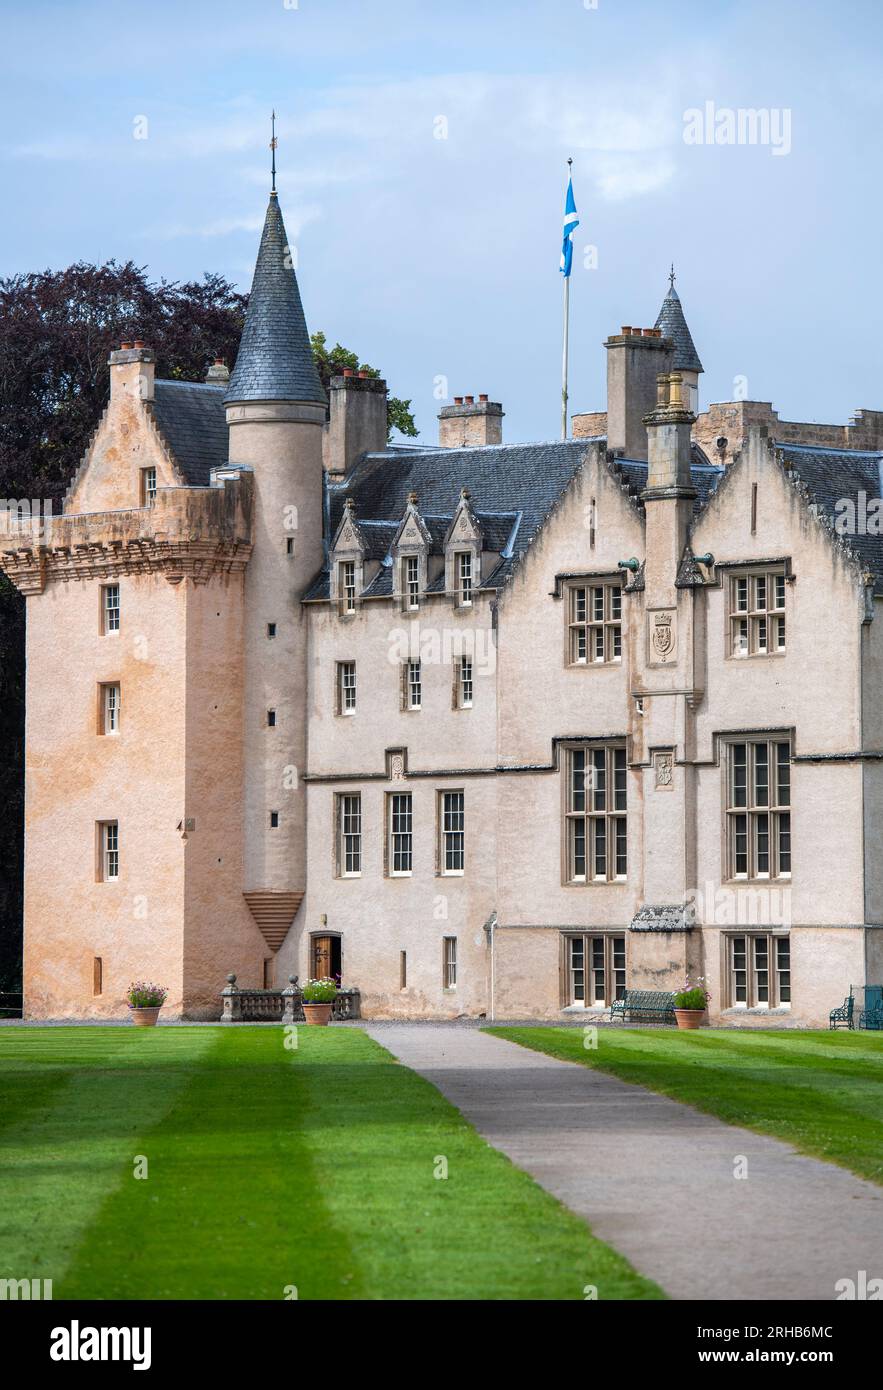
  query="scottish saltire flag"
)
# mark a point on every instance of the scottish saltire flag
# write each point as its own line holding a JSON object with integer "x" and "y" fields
{"x": 571, "y": 222}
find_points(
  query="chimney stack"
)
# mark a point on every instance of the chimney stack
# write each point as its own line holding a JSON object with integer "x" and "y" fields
{"x": 469, "y": 424}
{"x": 357, "y": 422}
{"x": 218, "y": 373}
{"x": 132, "y": 371}
{"x": 670, "y": 493}
{"x": 635, "y": 358}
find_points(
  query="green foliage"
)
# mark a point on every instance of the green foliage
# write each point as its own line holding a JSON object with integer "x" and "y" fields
{"x": 332, "y": 361}
{"x": 144, "y": 995}
{"x": 319, "y": 991}
{"x": 691, "y": 999}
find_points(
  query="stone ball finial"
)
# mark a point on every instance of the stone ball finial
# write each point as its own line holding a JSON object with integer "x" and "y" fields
{"x": 231, "y": 979}
{"x": 465, "y": 494}
{"x": 350, "y": 505}
{"x": 412, "y": 499}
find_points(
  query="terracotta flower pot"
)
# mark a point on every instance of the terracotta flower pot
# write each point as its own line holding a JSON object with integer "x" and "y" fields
{"x": 145, "y": 1018}
{"x": 318, "y": 1013}
{"x": 690, "y": 1018}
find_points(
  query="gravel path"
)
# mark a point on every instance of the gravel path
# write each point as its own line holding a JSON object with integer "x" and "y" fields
{"x": 654, "y": 1178}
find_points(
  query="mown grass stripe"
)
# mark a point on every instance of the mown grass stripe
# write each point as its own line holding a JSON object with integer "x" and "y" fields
{"x": 270, "y": 1168}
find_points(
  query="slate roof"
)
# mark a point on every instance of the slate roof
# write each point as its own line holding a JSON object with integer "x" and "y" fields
{"x": 831, "y": 475}
{"x": 275, "y": 361}
{"x": 673, "y": 324}
{"x": 503, "y": 480}
{"x": 705, "y": 475}
{"x": 191, "y": 419}
{"x": 512, "y": 489}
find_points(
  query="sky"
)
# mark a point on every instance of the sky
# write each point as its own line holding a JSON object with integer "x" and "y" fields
{"x": 421, "y": 173}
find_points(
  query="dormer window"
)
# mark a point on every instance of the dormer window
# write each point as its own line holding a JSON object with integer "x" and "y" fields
{"x": 347, "y": 574}
{"x": 412, "y": 581}
{"x": 463, "y": 560}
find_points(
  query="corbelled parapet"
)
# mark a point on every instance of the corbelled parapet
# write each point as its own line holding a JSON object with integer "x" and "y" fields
{"x": 188, "y": 532}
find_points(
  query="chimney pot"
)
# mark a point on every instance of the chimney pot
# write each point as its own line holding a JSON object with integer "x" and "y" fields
{"x": 363, "y": 376}
{"x": 458, "y": 400}
{"x": 468, "y": 400}
{"x": 626, "y": 332}
{"x": 484, "y": 397}
{"x": 348, "y": 371}
{"x": 125, "y": 346}
{"x": 138, "y": 343}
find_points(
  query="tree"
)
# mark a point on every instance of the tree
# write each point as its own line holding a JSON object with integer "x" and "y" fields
{"x": 331, "y": 362}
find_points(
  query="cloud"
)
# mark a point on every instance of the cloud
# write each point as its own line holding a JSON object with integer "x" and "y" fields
{"x": 345, "y": 134}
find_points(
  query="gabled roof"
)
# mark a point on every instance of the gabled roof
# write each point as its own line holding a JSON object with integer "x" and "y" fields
{"x": 673, "y": 324}
{"x": 191, "y": 419}
{"x": 275, "y": 360}
{"x": 836, "y": 475}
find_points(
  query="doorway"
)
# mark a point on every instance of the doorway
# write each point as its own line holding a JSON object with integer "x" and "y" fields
{"x": 325, "y": 957}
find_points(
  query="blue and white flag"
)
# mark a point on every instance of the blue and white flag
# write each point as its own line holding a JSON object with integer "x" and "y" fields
{"x": 571, "y": 222}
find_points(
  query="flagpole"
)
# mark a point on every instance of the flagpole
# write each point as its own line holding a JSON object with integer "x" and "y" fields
{"x": 566, "y": 349}
{"x": 564, "y": 357}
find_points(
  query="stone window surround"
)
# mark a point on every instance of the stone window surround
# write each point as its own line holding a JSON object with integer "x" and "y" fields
{"x": 724, "y": 741}
{"x": 586, "y": 934}
{"x": 566, "y": 589}
{"x": 751, "y": 1007}
{"x": 589, "y": 745}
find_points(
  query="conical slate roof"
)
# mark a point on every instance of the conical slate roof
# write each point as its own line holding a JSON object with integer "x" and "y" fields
{"x": 275, "y": 361}
{"x": 673, "y": 324}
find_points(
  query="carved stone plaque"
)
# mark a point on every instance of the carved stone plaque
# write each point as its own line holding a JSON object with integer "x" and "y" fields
{"x": 663, "y": 764}
{"x": 662, "y": 636}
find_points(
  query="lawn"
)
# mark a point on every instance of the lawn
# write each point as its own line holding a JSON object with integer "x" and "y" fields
{"x": 822, "y": 1092}
{"x": 268, "y": 1169}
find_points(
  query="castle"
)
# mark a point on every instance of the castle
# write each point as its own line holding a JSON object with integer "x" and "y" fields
{"x": 489, "y": 729}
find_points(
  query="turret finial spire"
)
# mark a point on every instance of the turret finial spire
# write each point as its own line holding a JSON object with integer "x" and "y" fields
{"x": 671, "y": 277}
{"x": 273, "y": 144}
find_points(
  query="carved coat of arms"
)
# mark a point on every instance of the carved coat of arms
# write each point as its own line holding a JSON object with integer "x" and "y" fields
{"x": 663, "y": 635}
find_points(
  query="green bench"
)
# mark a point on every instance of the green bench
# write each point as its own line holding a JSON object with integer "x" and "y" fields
{"x": 842, "y": 1016}
{"x": 652, "y": 1005}
{"x": 871, "y": 1016}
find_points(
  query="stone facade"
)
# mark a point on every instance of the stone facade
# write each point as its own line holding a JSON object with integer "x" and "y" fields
{"x": 540, "y": 646}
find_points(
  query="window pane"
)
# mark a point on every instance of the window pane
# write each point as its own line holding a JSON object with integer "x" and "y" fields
{"x": 599, "y": 779}
{"x": 576, "y": 948}
{"x": 578, "y": 848}
{"x": 618, "y": 967}
{"x": 600, "y": 841}
{"x": 619, "y": 779}
{"x": 621, "y": 842}
{"x": 599, "y": 990}
{"x": 762, "y": 823}
{"x": 761, "y": 969}
{"x": 783, "y": 969}
{"x": 740, "y": 970}
{"x": 784, "y": 834}
{"x": 739, "y": 756}
{"x": 578, "y": 780}
{"x": 740, "y": 844}
{"x": 761, "y": 775}
{"x": 783, "y": 774}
